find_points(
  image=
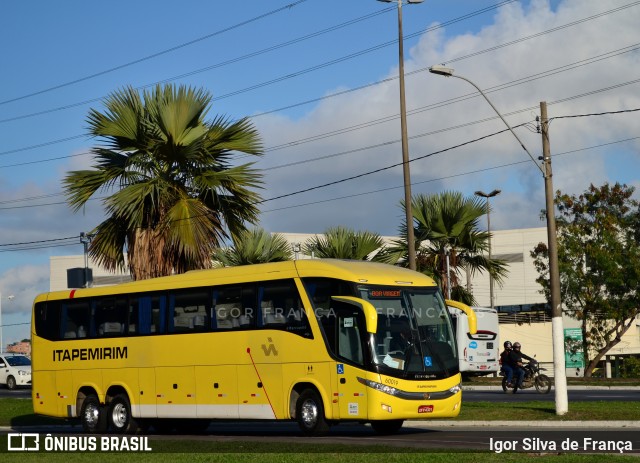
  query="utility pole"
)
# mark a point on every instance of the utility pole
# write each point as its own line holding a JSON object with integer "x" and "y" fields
{"x": 85, "y": 240}
{"x": 411, "y": 241}
{"x": 560, "y": 375}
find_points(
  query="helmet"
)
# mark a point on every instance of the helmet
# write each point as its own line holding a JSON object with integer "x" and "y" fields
{"x": 516, "y": 345}
{"x": 507, "y": 345}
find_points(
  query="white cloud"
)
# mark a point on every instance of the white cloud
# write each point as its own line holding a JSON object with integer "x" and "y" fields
{"x": 20, "y": 286}
{"x": 522, "y": 184}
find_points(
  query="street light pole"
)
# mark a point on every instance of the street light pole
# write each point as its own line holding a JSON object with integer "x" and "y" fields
{"x": 1, "y": 326}
{"x": 487, "y": 196}
{"x": 411, "y": 242}
{"x": 560, "y": 375}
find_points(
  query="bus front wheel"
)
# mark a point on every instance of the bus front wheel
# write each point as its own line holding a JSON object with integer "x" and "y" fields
{"x": 120, "y": 419}
{"x": 310, "y": 414}
{"x": 93, "y": 416}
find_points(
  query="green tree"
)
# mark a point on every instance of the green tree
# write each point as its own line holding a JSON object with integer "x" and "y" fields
{"x": 599, "y": 262}
{"x": 447, "y": 223}
{"x": 344, "y": 243}
{"x": 175, "y": 194}
{"x": 255, "y": 246}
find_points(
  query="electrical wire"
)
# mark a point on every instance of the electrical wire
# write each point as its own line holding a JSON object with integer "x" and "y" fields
{"x": 154, "y": 55}
{"x": 281, "y": 78}
{"x": 383, "y": 189}
{"x": 491, "y": 89}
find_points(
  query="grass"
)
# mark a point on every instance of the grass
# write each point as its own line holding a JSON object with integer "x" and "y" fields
{"x": 331, "y": 454}
{"x": 18, "y": 412}
{"x": 545, "y": 411}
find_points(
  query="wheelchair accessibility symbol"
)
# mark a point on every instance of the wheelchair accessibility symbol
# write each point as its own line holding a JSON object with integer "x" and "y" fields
{"x": 340, "y": 368}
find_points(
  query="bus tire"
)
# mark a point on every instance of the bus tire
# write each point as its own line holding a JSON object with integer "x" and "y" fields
{"x": 119, "y": 415}
{"x": 387, "y": 427}
{"x": 93, "y": 416}
{"x": 310, "y": 414}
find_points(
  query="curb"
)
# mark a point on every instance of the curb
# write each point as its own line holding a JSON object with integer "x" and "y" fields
{"x": 570, "y": 388}
{"x": 626, "y": 424}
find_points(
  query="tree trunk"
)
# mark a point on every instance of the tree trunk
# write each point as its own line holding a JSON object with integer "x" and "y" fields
{"x": 620, "y": 328}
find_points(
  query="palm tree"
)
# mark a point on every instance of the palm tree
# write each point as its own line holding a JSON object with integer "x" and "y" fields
{"x": 254, "y": 246}
{"x": 175, "y": 194}
{"x": 447, "y": 223}
{"x": 344, "y": 243}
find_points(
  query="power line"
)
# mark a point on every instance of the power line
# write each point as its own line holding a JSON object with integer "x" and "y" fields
{"x": 340, "y": 93}
{"x": 597, "y": 114}
{"x": 155, "y": 55}
{"x": 486, "y": 169}
{"x": 40, "y": 241}
{"x": 387, "y": 143}
{"x": 477, "y": 171}
{"x": 272, "y": 81}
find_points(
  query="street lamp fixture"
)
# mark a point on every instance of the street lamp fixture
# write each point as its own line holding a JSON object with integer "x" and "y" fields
{"x": 411, "y": 242}
{"x": 487, "y": 196}
{"x": 562, "y": 401}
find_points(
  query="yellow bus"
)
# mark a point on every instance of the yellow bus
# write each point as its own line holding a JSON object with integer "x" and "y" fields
{"x": 317, "y": 341}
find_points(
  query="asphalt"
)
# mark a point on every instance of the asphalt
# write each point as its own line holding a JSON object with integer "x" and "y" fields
{"x": 443, "y": 424}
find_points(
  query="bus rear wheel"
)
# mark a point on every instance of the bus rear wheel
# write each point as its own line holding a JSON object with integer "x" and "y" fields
{"x": 93, "y": 416}
{"x": 310, "y": 414}
{"x": 387, "y": 427}
{"x": 120, "y": 419}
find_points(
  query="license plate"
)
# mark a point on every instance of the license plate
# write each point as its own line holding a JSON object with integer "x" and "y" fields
{"x": 425, "y": 409}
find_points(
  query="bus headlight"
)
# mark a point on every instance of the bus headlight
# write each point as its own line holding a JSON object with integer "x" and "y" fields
{"x": 455, "y": 389}
{"x": 378, "y": 386}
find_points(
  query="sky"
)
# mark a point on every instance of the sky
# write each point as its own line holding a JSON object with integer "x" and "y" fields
{"x": 319, "y": 79}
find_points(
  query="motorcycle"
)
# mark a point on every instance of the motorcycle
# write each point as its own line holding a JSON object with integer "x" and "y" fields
{"x": 532, "y": 377}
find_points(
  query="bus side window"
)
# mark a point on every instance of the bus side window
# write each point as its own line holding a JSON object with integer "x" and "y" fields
{"x": 133, "y": 316}
{"x": 281, "y": 308}
{"x": 151, "y": 314}
{"x": 344, "y": 327}
{"x": 188, "y": 309}
{"x": 47, "y": 318}
{"x": 75, "y": 319}
{"x": 233, "y": 308}
{"x": 110, "y": 317}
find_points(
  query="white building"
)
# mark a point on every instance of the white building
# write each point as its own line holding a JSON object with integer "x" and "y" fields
{"x": 521, "y": 305}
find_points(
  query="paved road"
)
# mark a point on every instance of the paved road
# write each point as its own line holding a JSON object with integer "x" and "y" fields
{"x": 532, "y": 437}
{"x": 18, "y": 393}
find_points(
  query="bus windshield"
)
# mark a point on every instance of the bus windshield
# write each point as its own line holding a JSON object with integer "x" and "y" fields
{"x": 414, "y": 337}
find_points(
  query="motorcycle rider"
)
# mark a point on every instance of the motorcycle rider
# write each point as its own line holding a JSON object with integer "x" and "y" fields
{"x": 507, "y": 369}
{"x": 516, "y": 361}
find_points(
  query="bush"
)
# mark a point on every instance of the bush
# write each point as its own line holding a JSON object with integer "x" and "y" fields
{"x": 630, "y": 368}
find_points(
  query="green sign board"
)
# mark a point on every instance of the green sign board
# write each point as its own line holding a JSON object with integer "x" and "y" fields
{"x": 573, "y": 353}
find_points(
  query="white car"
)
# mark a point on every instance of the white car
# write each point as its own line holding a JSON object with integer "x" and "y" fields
{"x": 15, "y": 370}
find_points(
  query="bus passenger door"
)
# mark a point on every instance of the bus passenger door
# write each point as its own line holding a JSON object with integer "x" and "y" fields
{"x": 350, "y": 335}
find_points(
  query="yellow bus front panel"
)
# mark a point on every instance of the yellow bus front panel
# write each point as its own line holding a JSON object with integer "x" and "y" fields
{"x": 392, "y": 398}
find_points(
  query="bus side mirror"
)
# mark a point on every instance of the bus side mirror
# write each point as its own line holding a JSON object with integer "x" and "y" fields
{"x": 471, "y": 315}
{"x": 370, "y": 313}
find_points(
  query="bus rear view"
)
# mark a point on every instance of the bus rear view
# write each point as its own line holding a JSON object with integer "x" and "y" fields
{"x": 479, "y": 353}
